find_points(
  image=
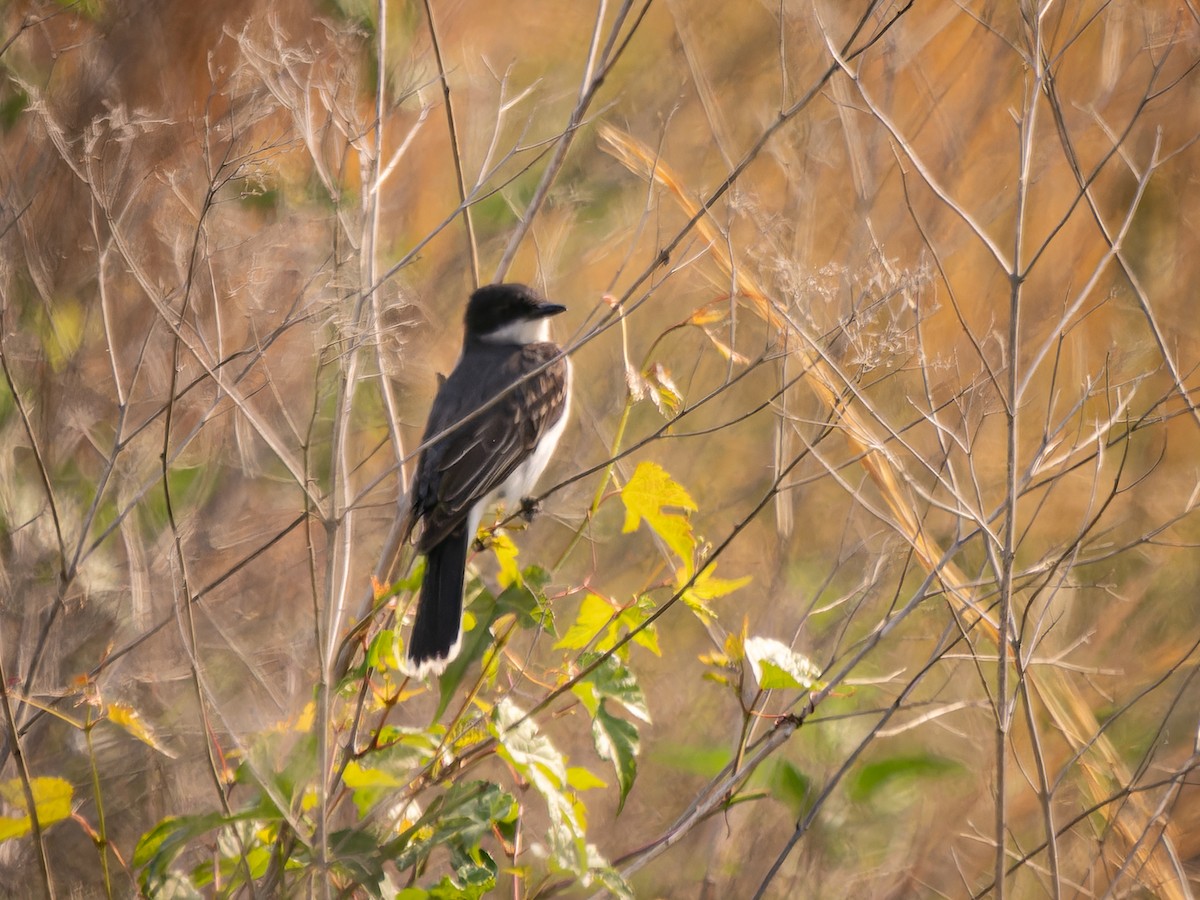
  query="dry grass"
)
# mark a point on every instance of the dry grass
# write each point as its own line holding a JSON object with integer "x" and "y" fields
{"x": 918, "y": 276}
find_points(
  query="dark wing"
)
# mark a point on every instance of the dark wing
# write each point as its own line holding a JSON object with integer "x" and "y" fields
{"x": 476, "y": 457}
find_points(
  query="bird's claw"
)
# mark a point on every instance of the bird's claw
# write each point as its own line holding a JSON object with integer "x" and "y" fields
{"x": 530, "y": 507}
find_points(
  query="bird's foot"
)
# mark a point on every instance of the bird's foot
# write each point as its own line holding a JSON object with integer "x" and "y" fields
{"x": 530, "y": 507}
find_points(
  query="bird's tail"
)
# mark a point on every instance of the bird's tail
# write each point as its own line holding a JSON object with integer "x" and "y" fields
{"x": 437, "y": 632}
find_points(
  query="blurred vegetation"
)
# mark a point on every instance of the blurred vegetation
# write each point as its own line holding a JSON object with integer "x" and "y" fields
{"x": 868, "y": 565}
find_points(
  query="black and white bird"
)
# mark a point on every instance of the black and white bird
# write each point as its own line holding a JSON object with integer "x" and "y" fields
{"x": 495, "y": 456}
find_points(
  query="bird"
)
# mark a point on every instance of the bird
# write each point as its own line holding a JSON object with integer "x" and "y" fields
{"x": 493, "y": 428}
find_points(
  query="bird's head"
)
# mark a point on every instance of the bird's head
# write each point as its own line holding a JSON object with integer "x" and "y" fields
{"x": 509, "y": 314}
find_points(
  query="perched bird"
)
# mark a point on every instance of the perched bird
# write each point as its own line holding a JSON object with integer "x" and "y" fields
{"x": 521, "y": 381}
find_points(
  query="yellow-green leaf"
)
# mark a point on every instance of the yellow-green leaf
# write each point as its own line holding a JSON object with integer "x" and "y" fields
{"x": 63, "y": 332}
{"x": 51, "y": 800}
{"x": 663, "y": 392}
{"x": 777, "y": 665}
{"x": 598, "y": 626}
{"x": 594, "y": 615}
{"x": 706, "y": 587}
{"x": 582, "y": 779}
{"x": 633, "y": 616}
{"x": 357, "y": 775}
{"x": 506, "y": 556}
{"x": 652, "y": 496}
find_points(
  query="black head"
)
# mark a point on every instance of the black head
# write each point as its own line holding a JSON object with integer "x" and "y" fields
{"x": 499, "y": 307}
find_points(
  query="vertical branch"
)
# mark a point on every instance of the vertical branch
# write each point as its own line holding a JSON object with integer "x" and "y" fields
{"x": 1006, "y": 633}
{"x": 63, "y": 579}
{"x": 38, "y": 456}
{"x": 14, "y": 742}
{"x": 1045, "y": 789}
{"x": 455, "y": 150}
{"x": 370, "y": 264}
{"x": 182, "y": 595}
{"x": 595, "y": 69}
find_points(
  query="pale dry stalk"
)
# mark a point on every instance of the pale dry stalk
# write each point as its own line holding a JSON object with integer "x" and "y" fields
{"x": 1071, "y": 714}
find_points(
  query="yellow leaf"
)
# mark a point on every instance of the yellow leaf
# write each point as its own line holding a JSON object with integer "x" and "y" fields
{"x": 63, "y": 332}
{"x": 506, "y": 556}
{"x": 51, "y": 799}
{"x": 594, "y": 615}
{"x": 707, "y": 587}
{"x": 357, "y": 775}
{"x": 633, "y": 616}
{"x": 129, "y": 719}
{"x": 710, "y": 313}
{"x": 735, "y": 644}
{"x": 649, "y": 496}
{"x": 304, "y": 722}
{"x": 582, "y": 779}
{"x": 309, "y": 799}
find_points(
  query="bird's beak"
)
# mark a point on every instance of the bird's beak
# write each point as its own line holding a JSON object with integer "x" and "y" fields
{"x": 545, "y": 310}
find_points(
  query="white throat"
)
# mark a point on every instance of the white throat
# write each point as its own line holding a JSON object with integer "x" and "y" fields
{"x": 523, "y": 331}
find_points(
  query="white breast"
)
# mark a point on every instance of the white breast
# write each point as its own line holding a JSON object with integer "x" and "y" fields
{"x": 521, "y": 482}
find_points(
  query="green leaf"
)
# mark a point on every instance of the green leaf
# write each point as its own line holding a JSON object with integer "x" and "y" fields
{"x": 525, "y": 600}
{"x": 450, "y": 890}
{"x": 791, "y": 787}
{"x": 356, "y": 854}
{"x": 233, "y": 863}
{"x": 13, "y": 102}
{"x": 532, "y": 754}
{"x": 613, "y": 882}
{"x": 613, "y": 679}
{"x": 386, "y": 651}
{"x": 174, "y": 886}
{"x": 706, "y": 762}
{"x": 874, "y": 777}
{"x": 459, "y": 819}
{"x": 380, "y": 773}
{"x": 51, "y": 801}
{"x": 777, "y": 666}
{"x": 158, "y": 847}
{"x": 617, "y": 742}
{"x": 369, "y": 785}
{"x": 650, "y": 496}
{"x": 536, "y": 760}
{"x": 475, "y": 874}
